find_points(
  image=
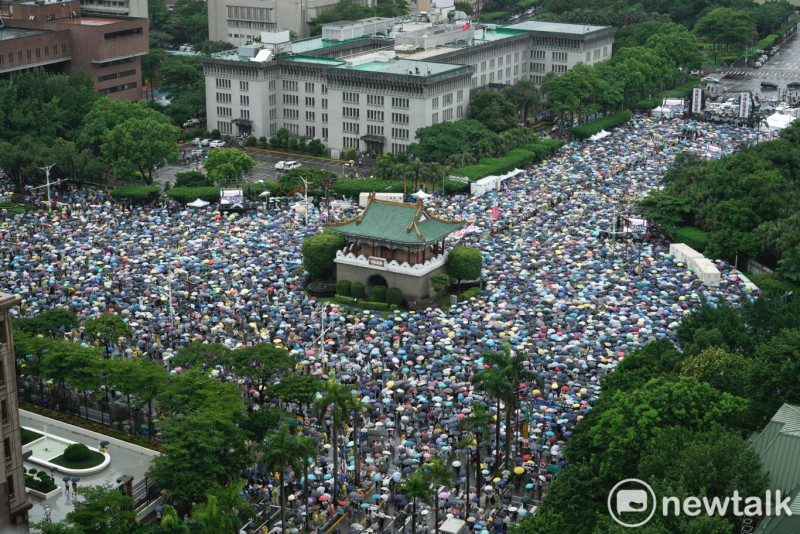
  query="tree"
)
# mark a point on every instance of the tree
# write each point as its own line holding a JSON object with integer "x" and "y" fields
{"x": 494, "y": 110}
{"x": 440, "y": 282}
{"x": 142, "y": 144}
{"x": 416, "y": 488}
{"x": 437, "y": 142}
{"x": 723, "y": 370}
{"x": 102, "y": 510}
{"x": 319, "y": 252}
{"x": 726, "y": 26}
{"x": 223, "y": 509}
{"x": 280, "y": 453}
{"x": 107, "y": 330}
{"x": 524, "y": 95}
{"x": 306, "y": 452}
{"x": 228, "y": 164}
{"x": 657, "y": 359}
{"x": 297, "y": 388}
{"x": 435, "y": 474}
{"x": 262, "y": 362}
{"x": 343, "y": 10}
{"x": 53, "y": 323}
{"x": 196, "y": 354}
{"x": 465, "y": 263}
{"x": 336, "y": 402}
{"x": 151, "y": 66}
{"x": 465, "y": 7}
{"x": 478, "y": 423}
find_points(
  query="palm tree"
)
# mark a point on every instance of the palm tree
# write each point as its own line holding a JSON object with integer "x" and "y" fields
{"x": 356, "y": 408}
{"x": 305, "y": 452}
{"x": 436, "y": 473}
{"x": 478, "y": 423}
{"x": 415, "y": 487}
{"x": 490, "y": 381}
{"x": 171, "y": 523}
{"x": 338, "y": 399}
{"x": 280, "y": 452}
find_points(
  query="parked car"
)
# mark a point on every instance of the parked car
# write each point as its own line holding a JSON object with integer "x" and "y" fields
{"x": 191, "y": 122}
{"x": 710, "y": 79}
{"x": 757, "y": 64}
{"x": 216, "y": 143}
{"x": 289, "y": 165}
{"x": 793, "y": 85}
{"x": 279, "y": 165}
{"x": 196, "y": 141}
{"x": 769, "y": 85}
{"x": 205, "y": 142}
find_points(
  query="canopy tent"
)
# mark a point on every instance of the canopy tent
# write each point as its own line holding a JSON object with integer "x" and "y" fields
{"x": 779, "y": 121}
{"x": 599, "y": 135}
{"x": 198, "y": 203}
{"x": 421, "y": 194}
{"x": 661, "y": 111}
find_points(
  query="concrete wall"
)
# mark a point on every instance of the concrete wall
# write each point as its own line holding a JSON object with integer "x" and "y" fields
{"x": 410, "y": 285}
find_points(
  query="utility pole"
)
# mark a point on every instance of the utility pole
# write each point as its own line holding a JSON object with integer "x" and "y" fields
{"x": 47, "y": 176}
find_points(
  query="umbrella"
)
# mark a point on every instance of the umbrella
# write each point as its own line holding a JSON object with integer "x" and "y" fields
{"x": 358, "y": 527}
{"x": 75, "y": 479}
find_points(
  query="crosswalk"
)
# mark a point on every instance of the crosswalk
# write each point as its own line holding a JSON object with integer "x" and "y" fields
{"x": 761, "y": 74}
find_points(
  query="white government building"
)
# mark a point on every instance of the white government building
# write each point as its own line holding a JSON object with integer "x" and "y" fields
{"x": 370, "y": 84}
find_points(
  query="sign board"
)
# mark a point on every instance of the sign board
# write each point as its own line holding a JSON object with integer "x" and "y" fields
{"x": 495, "y": 213}
{"x": 231, "y": 197}
{"x": 377, "y": 262}
{"x": 293, "y": 422}
{"x": 525, "y": 431}
{"x": 553, "y": 468}
{"x": 697, "y": 100}
{"x": 543, "y": 464}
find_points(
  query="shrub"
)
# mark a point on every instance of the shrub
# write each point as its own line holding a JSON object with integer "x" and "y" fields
{"x": 392, "y": 307}
{"x": 188, "y": 194}
{"x": 394, "y": 297}
{"x": 469, "y": 293}
{"x": 378, "y": 294}
{"x": 138, "y": 193}
{"x": 214, "y": 134}
{"x": 76, "y": 452}
{"x": 612, "y": 120}
{"x": 42, "y": 474}
{"x": 694, "y": 237}
{"x": 343, "y": 288}
{"x": 44, "y": 485}
{"x": 357, "y": 290}
{"x": 453, "y": 187}
{"x": 251, "y": 141}
{"x": 262, "y": 141}
{"x": 319, "y": 252}
{"x": 191, "y": 179}
{"x": 519, "y": 158}
{"x": 440, "y": 282}
{"x": 341, "y": 299}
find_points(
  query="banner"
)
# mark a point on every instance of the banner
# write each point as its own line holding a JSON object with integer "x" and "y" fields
{"x": 745, "y": 109}
{"x": 231, "y": 197}
{"x": 697, "y": 100}
{"x": 495, "y": 212}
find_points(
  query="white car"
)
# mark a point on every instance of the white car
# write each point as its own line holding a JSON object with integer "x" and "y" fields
{"x": 205, "y": 142}
{"x": 196, "y": 141}
{"x": 287, "y": 165}
{"x": 217, "y": 143}
{"x": 710, "y": 79}
{"x": 279, "y": 165}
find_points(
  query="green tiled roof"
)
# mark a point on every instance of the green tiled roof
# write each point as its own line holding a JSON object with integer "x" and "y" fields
{"x": 396, "y": 222}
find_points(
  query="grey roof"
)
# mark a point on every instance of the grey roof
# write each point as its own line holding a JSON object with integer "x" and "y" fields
{"x": 557, "y": 27}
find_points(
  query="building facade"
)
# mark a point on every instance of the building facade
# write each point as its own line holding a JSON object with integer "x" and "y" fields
{"x": 58, "y": 37}
{"x": 241, "y": 22}
{"x": 372, "y": 92}
{"x": 117, "y": 8}
{"x": 14, "y": 504}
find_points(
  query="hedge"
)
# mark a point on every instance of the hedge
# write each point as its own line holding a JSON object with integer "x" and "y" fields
{"x": 357, "y": 290}
{"x": 378, "y": 294}
{"x": 496, "y": 16}
{"x": 343, "y": 299}
{"x": 585, "y": 131}
{"x": 372, "y": 305}
{"x": 351, "y": 188}
{"x": 454, "y": 187}
{"x": 343, "y": 288}
{"x": 140, "y": 193}
{"x": 394, "y": 297}
{"x": 469, "y": 293}
{"x": 519, "y": 158}
{"x": 11, "y": 207}
{"x": 188, "y": 194}
{"x": 694, "y": 237}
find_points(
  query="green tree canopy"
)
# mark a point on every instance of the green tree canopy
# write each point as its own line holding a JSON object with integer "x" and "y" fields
{"x": 228, "y": 164}
{"x": 465, "y": 263}
{"x": 494, "y": 110}
{"x": 319, "y": 252}
{"x": 437, "y": 142}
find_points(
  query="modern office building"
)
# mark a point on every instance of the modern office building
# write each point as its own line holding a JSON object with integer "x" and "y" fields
{"x": 371, "y": 84}
{"x": 241, "y": 22}
{"x": 14, "y": 504}
{"x": 56, "y": 36}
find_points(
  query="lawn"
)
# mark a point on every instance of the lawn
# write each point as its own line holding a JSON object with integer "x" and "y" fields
{"x": 94, "y": 459}
{"x": 770, "y": 282}
{"x": 29, "y": 435}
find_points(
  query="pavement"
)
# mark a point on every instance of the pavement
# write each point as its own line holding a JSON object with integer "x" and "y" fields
{"x": 123, "y": 462}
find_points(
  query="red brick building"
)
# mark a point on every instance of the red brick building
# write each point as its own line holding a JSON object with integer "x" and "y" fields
{"x": 55, "y": 36}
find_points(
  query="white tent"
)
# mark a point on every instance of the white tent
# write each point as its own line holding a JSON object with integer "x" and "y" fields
{"x": 421, "y": 194}
{"x": 779, "y": 121}
{"x": 599, "y": 135}
{"x": 198, "y": 203}
{"x": 661, "y": 111}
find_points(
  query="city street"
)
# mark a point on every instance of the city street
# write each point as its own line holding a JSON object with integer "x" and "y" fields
{"x": 265, "y": 165}
{"x": 782, "y": 68}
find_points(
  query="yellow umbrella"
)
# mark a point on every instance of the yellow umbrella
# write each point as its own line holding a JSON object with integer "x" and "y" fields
{"x": 519, "y": 470}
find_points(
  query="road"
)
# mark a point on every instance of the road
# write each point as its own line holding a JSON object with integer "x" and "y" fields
{"x": 782, "y": 68}
{"x": 265, "y": 165}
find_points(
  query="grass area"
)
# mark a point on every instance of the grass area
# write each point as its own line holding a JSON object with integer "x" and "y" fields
{"x": 94, "y": 459}
{"x": 11, "y": 207}
{"x": 29, "y": 435}
{"x": 694, "y": 237}
{"x": 770, "y": 282}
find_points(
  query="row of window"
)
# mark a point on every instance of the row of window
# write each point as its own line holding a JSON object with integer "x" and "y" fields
{"x": 37, "y": 52}
{"x": 118, "y": 88}
{"x": 123, "y": 33}
{"x": 224, "y": 98}
{"x": 116, "y": 75}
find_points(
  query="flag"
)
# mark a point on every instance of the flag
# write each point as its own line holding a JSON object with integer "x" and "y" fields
{"x": 466, "y": 26}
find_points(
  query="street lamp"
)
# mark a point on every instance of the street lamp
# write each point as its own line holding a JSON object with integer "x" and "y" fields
{"x": 305, "y": 194}
{"x": 47, "y": 176}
